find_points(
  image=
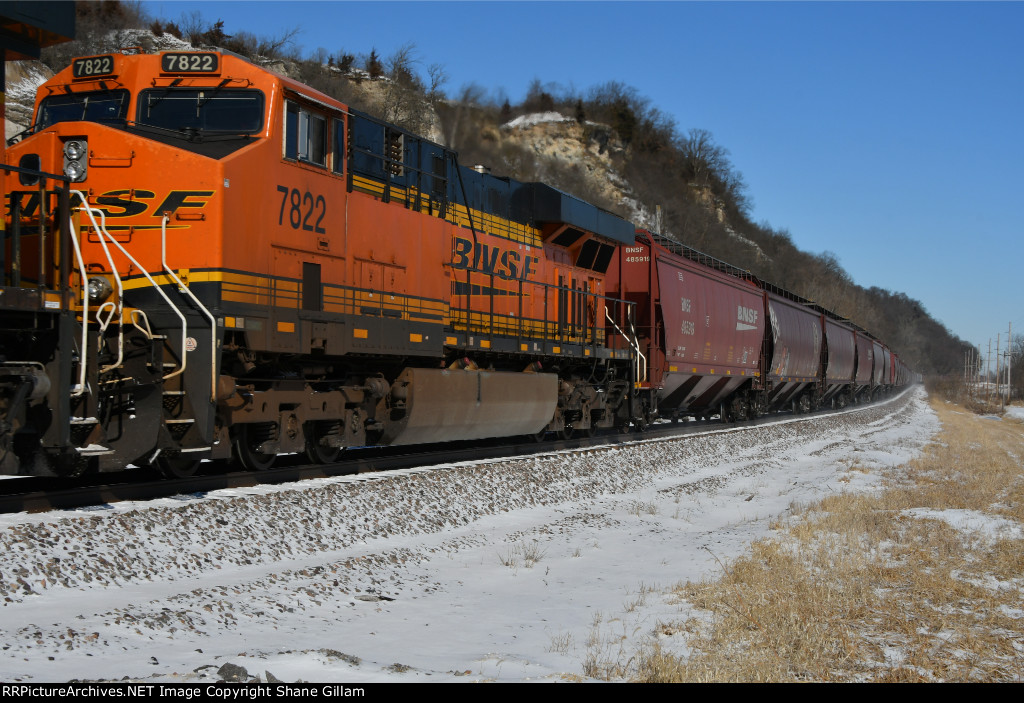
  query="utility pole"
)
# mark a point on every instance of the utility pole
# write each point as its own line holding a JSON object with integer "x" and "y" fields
{"x": 1009, "y": 365}
{"x": 975, "y": 360}
{"x": 977, "y": 371}
{"x": 999, "y": 388}
{"x": 988, "y": 369}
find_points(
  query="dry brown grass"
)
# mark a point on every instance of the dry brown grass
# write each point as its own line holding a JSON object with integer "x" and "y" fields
{"x": 866, "y": 588}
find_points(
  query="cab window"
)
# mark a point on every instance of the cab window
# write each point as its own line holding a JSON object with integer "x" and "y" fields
{"x": 204, "y": 110}
{"x": 106, "y": 106}
{"x": 305, "y": 135}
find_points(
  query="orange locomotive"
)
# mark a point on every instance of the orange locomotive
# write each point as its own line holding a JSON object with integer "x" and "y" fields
{"x": 258, "y": 269}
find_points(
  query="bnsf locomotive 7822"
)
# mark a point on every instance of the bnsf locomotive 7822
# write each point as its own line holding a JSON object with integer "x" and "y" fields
{"x": 203, "y": 259}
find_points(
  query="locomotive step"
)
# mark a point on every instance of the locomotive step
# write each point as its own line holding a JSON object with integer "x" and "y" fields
{"x": 94, "y": 450}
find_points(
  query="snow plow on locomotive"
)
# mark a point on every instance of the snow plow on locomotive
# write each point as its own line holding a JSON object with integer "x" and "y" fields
{"x": 232, "y": 266}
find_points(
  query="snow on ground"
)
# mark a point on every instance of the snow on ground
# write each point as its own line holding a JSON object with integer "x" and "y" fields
{"x": 515, "y": 570}
{"x": 991, "y": 527}
{"x": 535, "y": 118}
{"x": 1017, "y": 413}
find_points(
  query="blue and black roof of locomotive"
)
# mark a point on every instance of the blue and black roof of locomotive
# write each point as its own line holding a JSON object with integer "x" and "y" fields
{"x": 537, "y": 204}
{"x": 375, "y": 146}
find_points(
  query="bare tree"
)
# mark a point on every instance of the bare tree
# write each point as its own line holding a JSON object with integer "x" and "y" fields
{"x": 469, "y": 99}
{"x": 193, "y": 27}
{"x": 703, "y": 157}
{"x": 1016, "y": 364}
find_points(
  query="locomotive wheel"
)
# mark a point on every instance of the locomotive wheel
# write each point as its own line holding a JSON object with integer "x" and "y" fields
{"x": 65, "y": 466}
{"x": 248, "y": 438}
{"x": 176, "y": 465}
{"x": 315, "y": 451}
{"x": 8, "y": 460}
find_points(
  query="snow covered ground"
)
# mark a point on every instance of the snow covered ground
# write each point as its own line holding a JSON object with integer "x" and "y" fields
{"x": 516, "y": 570}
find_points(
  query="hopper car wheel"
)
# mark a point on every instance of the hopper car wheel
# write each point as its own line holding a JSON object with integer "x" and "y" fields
{"x": 175, "y": 465}
{"x": 248, "y": 438}
{"x": 587, "y": 431}
{"x": 566, "y": 432}
{"x": 539, "y": 436}
{"x": 804, "y": 404}
{"x": 315, "y": 451}
{"x": 644, "y": 419}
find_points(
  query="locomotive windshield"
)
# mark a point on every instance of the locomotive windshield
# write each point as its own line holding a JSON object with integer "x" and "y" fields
{"x": 204, "y": 110}
{"x": 96, "y": 106}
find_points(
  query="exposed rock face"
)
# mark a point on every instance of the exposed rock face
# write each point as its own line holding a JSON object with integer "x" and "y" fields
{"x": 589, "y": 146}
{"x": 23, "y": 78}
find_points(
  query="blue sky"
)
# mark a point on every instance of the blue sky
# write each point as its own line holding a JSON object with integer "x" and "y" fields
{"x": 886, "y": 133}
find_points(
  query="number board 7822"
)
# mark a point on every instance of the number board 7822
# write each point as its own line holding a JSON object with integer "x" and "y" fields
{"x": 172, "y": 62}
{"x": 92, "y": 66}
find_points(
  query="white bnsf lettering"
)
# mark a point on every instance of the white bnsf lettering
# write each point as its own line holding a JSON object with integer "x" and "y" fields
{"x": 685, "y": 303}
{"x": 637, "y": 255}
{"x": 746, "y": 318}
{"x": 687, "y": 327}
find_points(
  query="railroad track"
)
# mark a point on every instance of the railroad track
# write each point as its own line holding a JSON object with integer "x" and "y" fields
{"x": 35, "y": 495}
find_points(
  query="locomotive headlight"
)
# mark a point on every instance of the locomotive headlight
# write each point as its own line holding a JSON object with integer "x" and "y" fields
{"x": 99, "y": 289}
{"x": 76, "y": 163}
{"x": 74, "y": 171}
{"x": 74, "y": 149}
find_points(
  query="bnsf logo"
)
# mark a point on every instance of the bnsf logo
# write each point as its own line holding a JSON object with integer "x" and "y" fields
{"x": 129, "y": 203}
{"x": 748, "y": 315}
{"x": 491, "y": 259}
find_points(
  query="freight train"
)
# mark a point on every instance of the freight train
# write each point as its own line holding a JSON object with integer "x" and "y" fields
{"x": 202, "y": 259}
